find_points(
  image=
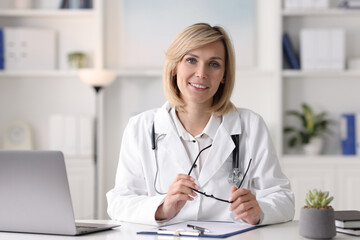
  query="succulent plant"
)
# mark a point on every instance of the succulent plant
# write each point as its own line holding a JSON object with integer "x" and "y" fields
{"x": 318, "y": 199}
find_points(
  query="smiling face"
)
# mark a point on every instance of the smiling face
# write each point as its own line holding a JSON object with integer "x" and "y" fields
{"x": 200, "y": 73}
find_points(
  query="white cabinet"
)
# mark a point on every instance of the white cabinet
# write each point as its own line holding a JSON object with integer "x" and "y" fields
{"x": 338, "y": 175}
{"x": 81, "y": 176}
{"x": 335, "y": 92}
{"x": 33, "y": 96}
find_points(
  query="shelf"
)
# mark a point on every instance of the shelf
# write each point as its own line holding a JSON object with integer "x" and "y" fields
{"x": 31, "y": 74}
{"x": 321, "y": 158}
{"x": 120, "y": 73}
{"x": 249, "y": 73}
{"x": 321, "y": 74}
{"x": 139, "y": 72}
{"x": 47, "y": 13}
{"x": 320, "y": 12}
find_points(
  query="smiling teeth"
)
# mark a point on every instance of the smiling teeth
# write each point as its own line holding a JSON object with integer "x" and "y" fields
{"x": 197, "y": 85}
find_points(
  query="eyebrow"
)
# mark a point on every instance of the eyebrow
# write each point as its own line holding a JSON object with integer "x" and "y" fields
{"x": 212, "y": 58}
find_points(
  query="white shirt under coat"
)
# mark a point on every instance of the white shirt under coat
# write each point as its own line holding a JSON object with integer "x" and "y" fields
{"x": 194, "y": 144}
{"x": 134, "y": 198}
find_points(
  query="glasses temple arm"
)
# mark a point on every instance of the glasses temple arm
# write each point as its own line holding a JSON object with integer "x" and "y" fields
{"x": 194, "y": 164}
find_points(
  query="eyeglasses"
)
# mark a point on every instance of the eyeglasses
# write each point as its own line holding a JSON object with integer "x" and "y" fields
{"x": 211, "y": 195}
{"x": 194, "y": 166}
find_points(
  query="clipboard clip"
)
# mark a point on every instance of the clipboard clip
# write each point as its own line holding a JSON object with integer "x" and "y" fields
{"x": 178, "y": 232}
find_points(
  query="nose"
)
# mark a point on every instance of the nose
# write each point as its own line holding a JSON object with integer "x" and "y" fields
{"x": 201, "y": 71}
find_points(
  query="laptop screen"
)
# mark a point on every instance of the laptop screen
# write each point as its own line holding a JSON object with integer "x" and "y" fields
{"x": 35, "y": 194}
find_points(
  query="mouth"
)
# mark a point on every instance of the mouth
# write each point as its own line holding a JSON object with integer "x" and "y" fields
{"x": 198, "y": 85}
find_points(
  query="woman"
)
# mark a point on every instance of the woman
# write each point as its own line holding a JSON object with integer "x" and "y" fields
{"x": 199, "y": 145}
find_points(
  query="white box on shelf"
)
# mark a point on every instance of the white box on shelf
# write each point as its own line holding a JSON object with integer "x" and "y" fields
{"x": 322, "y": 49}
{"x": 337, "y": 49}
{"x": 30, "y": 49}
{"x": 305, "y": 4}
{"x": 320, "y": 3}
{"x": 37, "y": 49}
{"x": 307, "y": 49}
{"x": 291, "y": 4}
{"x": 11, "y": 58}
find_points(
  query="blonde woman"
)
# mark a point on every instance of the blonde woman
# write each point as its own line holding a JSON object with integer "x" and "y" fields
{"x": 198, "y": 157}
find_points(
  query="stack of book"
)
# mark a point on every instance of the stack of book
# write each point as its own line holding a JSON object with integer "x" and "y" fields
{"x": 348, "y": 222}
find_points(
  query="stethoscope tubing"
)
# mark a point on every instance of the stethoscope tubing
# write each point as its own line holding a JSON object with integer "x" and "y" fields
{"x": 235, "y": 162}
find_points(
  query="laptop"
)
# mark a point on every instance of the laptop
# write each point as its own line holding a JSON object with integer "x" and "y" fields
{"x": 35, "y": 195}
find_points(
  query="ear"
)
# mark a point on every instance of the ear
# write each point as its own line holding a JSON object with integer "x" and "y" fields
{"x": 222, "y": 81}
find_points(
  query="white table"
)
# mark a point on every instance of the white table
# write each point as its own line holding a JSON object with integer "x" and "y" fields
{"x": 127, "y": 231}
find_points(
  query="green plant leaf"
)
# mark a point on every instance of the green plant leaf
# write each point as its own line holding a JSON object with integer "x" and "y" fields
{"x": 309, "y": 118}
{"x": 293, "y": 142}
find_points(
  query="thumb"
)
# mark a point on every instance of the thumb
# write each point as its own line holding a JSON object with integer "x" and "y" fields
{"x": 233, "y": 189}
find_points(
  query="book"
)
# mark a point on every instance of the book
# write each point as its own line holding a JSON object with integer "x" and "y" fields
{"x": 347, "y": 219}
{"x": 347, "y": 130}
{"x": 289, "y": 52}
{"x": 351, "y": 4}
{"x": 352, "y": 232}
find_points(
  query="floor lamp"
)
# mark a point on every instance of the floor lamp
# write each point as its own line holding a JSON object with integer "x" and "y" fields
{"x": 96, "y": 78}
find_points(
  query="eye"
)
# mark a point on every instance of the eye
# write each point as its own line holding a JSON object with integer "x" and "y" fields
{"x": 191, "y": 60}
{"x": 214, "y": 64}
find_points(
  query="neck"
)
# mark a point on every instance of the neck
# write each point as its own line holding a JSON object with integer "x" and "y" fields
{"x": 194, "y": 120}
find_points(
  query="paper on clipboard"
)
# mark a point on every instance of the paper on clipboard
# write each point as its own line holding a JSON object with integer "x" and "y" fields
{"x": 217, "y": 229}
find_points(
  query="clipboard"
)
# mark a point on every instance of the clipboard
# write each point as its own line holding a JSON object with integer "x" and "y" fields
{"x": 216, "y": 229}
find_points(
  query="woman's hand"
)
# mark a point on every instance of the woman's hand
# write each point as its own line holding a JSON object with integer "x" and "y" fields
{"x": 179, "y": 192}
{"x": 245, "y": 205}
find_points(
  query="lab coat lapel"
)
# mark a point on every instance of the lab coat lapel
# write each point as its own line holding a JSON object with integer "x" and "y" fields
{"x": 174, "y": 152}
{"x": 222, "y": 147}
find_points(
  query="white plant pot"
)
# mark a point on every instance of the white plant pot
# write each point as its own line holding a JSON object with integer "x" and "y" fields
{"x": 314, "y": 147}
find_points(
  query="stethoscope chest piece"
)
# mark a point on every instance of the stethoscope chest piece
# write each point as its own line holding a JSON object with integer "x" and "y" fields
{"x": 235, "y": 176}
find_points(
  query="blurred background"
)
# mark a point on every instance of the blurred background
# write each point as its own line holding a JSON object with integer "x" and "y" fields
{"x": 289, "y": 53}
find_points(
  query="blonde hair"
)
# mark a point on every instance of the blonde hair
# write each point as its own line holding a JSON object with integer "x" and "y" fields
{"x": 192, "y": 37}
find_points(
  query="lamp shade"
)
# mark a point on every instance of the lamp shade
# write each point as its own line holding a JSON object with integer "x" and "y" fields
{"x": 96, "y": 77}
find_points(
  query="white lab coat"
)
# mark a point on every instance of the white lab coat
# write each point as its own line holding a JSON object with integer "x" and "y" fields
{"x": 134, "y": 198}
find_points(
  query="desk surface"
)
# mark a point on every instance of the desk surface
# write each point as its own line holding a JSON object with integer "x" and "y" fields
{"x": 127, "y": 231}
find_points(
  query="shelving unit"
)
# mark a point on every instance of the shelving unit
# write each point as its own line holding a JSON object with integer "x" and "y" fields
{"x": 79, "y": 13}
{"x": 320, "y": 74}
{"x": 33, "y": 96}
{"x": 319, "y": 12}
{"x": 332, "y": 91}
{"x": 41, "y": 74}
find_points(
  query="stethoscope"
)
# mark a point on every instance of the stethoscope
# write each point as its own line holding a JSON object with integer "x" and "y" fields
{"x": 235, "y": 177}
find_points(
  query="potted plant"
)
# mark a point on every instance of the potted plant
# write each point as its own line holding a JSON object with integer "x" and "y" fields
{"x": 309, "y": 134}
{"x": 76, "y": 60}
{"x": 317, "y": 217}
